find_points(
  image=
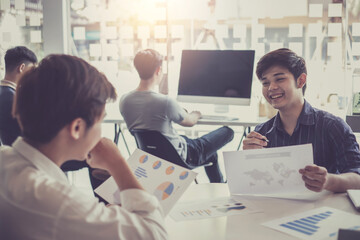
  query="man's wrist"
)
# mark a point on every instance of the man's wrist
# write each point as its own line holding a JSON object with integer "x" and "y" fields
{"x": 328, "y": 182}
{"x": 332, "y": 182}
{"x": 115, "y": 162}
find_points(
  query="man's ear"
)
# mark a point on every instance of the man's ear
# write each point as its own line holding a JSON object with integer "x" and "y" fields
{"x": 77, "y": 127}
{"x": 301, "y": 81}
{"x": 21, "y": 68}
{"x": 158, "y": 70}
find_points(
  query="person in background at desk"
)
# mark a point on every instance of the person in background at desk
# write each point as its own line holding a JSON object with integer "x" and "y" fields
{"x": 143, "y": 108}
{"x": 336, "y": 166}
{"x": 36, "y": 199}
{"x": 17, "y": 61}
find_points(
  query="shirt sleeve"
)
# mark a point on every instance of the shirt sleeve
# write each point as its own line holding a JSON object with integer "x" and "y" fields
{"x": 138, "y": 200}
{"x": 346, "y": 147}
{"x": 139, "y": 217}
{"x": 174, "y": 111}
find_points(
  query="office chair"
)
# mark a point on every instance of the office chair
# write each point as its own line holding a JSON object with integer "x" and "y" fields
{"x": 155, "y": 143}
{"x": 97, "y": 176}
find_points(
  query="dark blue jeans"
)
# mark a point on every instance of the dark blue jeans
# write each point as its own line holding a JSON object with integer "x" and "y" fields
{"x": 203, "y": 150}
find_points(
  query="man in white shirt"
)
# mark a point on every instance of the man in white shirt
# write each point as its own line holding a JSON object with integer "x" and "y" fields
{"x": 60, "y": 106}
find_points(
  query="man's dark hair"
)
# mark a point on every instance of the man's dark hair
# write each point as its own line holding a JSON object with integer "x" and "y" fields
{"x": 59, "y": 90}
{"x": 285, "y": 58}
{"x": 17, "y": 56}
{"x": 146, "y": 62}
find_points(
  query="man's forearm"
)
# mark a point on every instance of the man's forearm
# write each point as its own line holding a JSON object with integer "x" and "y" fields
{"x": 191, "y": 119}
{"x": 194, "y": 117}
{"x": 343, "y": 182}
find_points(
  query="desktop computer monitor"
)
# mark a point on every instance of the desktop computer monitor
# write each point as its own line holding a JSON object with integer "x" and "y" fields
{"x": 216, "y": 76}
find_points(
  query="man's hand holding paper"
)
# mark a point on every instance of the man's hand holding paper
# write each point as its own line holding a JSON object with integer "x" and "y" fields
{"x": 315, "y": 177}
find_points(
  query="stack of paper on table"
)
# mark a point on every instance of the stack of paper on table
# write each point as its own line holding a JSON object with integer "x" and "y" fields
{"x": 164, "y": 179}
{"x": 271, "y": 172}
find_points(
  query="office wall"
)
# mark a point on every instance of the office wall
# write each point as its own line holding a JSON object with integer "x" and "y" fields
{"x": 21, "y": 24}
{"x": 108, "y": 34}
{"x": 324, "y": 32}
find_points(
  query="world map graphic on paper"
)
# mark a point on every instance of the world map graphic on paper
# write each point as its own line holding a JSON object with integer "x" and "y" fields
{"x": 279, "y": 174}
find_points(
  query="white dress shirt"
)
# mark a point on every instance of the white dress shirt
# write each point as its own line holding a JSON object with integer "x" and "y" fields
{"x": 37, "y": 202}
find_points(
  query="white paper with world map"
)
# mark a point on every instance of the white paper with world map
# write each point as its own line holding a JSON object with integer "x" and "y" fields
{"x": 268, "y": 171}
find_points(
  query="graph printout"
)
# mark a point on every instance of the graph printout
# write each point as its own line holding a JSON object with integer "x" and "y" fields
{"x": 320, "y": 223}
{"x": 209, "y": 208}
{"x": 267, "y": 171}
{"x": 164, "y": 179}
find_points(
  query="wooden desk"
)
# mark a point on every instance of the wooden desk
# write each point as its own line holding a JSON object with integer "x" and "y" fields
{"x": 246, "y": 226}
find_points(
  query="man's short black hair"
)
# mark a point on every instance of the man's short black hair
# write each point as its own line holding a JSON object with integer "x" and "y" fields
{"x": 17, "y": 56}
{"x": 59, "y": 90}
{"x": 146, "y": 62}
{"x": 283, "y": 57}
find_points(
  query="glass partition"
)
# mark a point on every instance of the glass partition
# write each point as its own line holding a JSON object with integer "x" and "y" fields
{"x": 325, "y": 32}
{"x": 20, "y": 24}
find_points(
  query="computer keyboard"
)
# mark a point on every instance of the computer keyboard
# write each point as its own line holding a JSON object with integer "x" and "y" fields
{"x": 218, "y": 118}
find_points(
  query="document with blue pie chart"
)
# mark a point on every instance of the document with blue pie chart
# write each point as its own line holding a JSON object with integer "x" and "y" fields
{"x": 164, "y": 179}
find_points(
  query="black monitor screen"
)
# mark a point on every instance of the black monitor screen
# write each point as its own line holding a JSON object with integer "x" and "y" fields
{"x": 216, "y": 73}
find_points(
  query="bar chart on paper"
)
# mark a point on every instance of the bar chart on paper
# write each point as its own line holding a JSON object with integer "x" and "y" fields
{"x": 316, "y": 224}
{"x": 208, "y": 208}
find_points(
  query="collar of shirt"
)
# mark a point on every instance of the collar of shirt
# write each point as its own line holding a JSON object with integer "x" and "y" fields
{"x": 307, "y": 117}
{"x": 39, "y": 160}
{"x": 7, "y": 83}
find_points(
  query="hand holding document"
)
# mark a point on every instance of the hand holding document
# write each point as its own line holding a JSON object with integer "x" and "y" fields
{"x": 315, "y": 177}
{"x": 164, "y": 179}
{"x": 272, "y": 172}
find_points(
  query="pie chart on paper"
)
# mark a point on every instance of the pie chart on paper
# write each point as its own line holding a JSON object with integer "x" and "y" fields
{"x": 143, "y": 159}
{"x": 164, "y": 190}
{"x": 184, "y": 175}
{"x": 157, "y": 165}
{"x": 170, "y": 170}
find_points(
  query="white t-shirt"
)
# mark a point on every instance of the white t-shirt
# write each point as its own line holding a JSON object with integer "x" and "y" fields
{"x": 37, "y": 202}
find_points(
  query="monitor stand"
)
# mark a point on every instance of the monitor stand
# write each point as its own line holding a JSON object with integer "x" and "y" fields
{"x": 221, "y": 108}
{"x": 218, "y": 109}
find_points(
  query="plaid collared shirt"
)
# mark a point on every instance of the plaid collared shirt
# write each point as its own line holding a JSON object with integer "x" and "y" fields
{"x": 334, "y": 144}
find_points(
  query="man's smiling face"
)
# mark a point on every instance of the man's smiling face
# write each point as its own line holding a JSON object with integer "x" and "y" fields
{"x": 280, "y": 88}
